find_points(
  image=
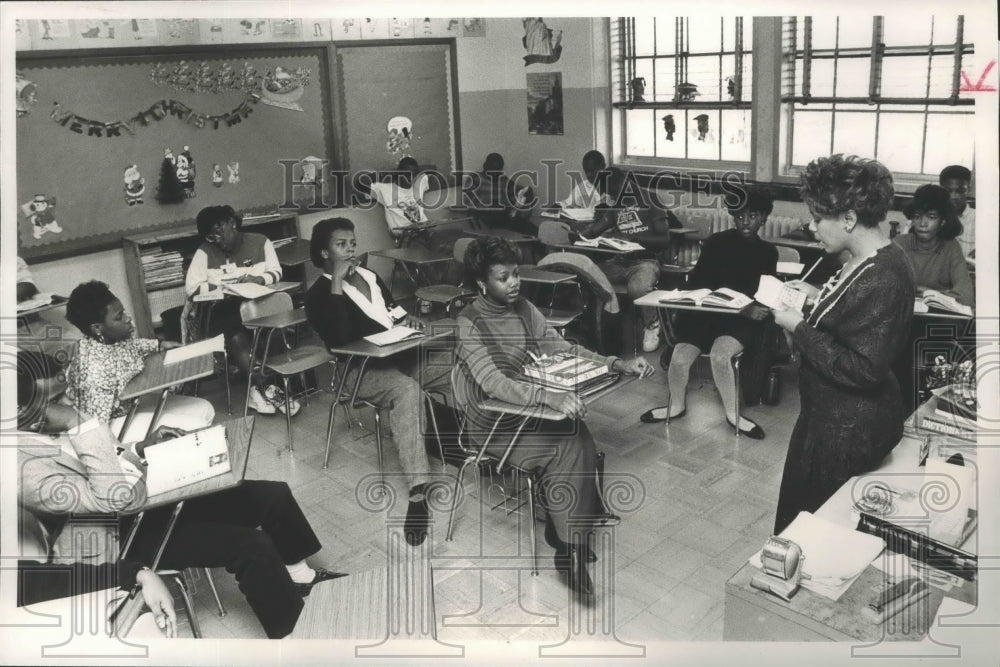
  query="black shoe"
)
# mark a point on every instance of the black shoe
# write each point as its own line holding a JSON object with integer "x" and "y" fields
{"x": 418, "y": 518}
{"x": 648, "y": 418}
{"x": 573, "y": 564}
{"x": 321, "y": 575}
{"x": 757, "y": 433}
{"x": 607, "y": 519}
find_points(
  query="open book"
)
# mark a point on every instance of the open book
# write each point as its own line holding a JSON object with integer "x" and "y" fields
{"x": 615, "y": 244}
{"x": 188, "y": 459}
{"x": 932, "y": 299}
{"x": 777, "y": 295}
{"x": 720, "y": 298}
{"x": 248, "y": 290}
{"x": 393, "y": 335}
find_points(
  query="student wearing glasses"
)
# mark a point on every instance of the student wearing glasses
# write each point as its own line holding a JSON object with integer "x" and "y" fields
{"x": 230, "y": 255}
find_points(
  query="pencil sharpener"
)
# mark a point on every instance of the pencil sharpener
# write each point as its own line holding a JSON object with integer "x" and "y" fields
{"x": 782, "y": 562}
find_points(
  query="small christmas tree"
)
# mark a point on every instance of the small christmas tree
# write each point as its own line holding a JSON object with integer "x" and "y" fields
{"x": 170, "y": 190}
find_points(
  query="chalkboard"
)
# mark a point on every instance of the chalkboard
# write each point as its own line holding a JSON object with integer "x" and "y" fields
{"x": 396, "y": 100}
{"x": 235, "y": 118}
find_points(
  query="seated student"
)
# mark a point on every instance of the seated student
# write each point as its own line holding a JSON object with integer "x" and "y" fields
{"x": 586, "y": 192}
{"x": 957, "y": 180}
{"x": 59, "y": 449}
{"x": 497, "y": 332}
{"x": 349, "y": 302}
{"x": 402, "y": 197}
{"x": 25, "y": 283}
{"x": 626, "y": 218}
{"x": 229, "y": 255}
{"x": 735, "y": 258}
{"x": 496, "y": 199}
{"x": 107, "y": 357}
{"x": 932, "y": 246}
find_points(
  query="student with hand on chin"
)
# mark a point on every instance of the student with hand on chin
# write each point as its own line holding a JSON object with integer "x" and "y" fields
{"x": 349, "y": 302}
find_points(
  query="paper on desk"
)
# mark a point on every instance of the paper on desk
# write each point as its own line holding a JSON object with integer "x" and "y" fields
{"x": 834, "y": 555}
{"x": 179, "y": 354}
{"x": 790, "y": 268}
{"x": 578, "y": 214}
{"x": 248, "y": 290}
{"x": 37, "y": 301}
{"x": 190, "y": 458}
{"x": 393, "y": 335}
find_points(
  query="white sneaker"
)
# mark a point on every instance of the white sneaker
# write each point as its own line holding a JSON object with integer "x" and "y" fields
{"x": 651, "y": 337}
{"x": 257, "y": 402}
{"x": 276, "y": 398}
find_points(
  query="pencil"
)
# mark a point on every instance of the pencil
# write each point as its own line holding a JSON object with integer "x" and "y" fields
{"x": 803, "y": 278}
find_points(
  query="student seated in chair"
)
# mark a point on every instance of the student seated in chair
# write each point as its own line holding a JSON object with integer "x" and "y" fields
{"x": 497, "y": 333}
{"x": 587, "y": 192}
{"x": 69, "y": 463}
{"x": 630, "y": 217}
{"x": 230, "y": 255}
{"x": 734, "y": 258}
{"x": 957, "y": 180}
{"x": 402, "y": 198}
{"x": 349, "y": 302}
{"x": 108, "y": 357}
{"x": 497, "y": 201}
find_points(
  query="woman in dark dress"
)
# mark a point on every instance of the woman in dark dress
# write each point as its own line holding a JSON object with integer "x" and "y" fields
{"x": 735, "y": 258}
{"x": 853, "y": 328}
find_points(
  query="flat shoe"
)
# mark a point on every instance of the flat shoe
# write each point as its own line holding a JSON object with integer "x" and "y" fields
{"x": 648, "y": 418}
{"x": 757, "y": 433}
{"x": 322, "y": 574}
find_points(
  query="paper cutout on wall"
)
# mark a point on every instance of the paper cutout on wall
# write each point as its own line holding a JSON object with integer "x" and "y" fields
{"x": 254, "y": 28}
{"x": 135, "y": 185}
{"x": 96, "y": 30}
{"x": 702, "y": 120}
{"x": 186, "y": 172}
{"x": 348, "y": 28}
{"x": 170, "y": 190}
{"x": 217, "y": 179}
{"x": 308, "y": 171}
{"x": 179, "y": 31}
{"x": 159, "y": 111}
{"x": 400, "y": 129}
{"x": 41, "y": 214}
{"x": 283, "y": 88}
{"x": 215, "y": 31}
{"x": 400, "y": 28}
{"x": 53, "y": 29}
{"x": 473, "y": 27}
{"x": 374, "y": 28}
{"x": 286, "y": 29}
{"x": 669, "y": 127}
{"x": 234, "y": 172}
{"x": 317, "y": 28}
{"x": 143, "y": 29}
{"x": 26, "y": 94}
{"x": 544, "y": 45}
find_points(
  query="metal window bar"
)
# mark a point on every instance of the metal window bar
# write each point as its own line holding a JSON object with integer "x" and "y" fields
{"x": 956, "y": 76}
{"x": 877, "y": 53}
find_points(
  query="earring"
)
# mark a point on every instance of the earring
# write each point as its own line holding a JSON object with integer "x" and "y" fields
{"x": 100, "y": 338}
{"x": 482, "y": 290}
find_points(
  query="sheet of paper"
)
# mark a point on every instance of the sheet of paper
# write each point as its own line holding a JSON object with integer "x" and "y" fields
{"x": 187, "y": 459}
{"x": 40, "y": 299}
{"x": 179, "y": 354}
{"x": 579, "y": 214}
{"x": 393, "y": 335}
{"x": 790, "y": 268}
{"x": 248, "y": 290}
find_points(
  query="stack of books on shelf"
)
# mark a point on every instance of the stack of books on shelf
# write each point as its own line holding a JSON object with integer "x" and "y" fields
{"x": 954, "y": 414}
{"x": 161, "y": 269}
{"x": 568, "y": 372}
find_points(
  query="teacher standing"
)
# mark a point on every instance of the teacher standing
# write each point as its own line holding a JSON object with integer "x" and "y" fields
{"x": 853, "y": 328}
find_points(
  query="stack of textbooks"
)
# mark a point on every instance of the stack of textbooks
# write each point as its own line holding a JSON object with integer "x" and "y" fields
{"x": 954, "y": 414}
{"x": 570, "y": 373}
{"x": 161, "y": 269}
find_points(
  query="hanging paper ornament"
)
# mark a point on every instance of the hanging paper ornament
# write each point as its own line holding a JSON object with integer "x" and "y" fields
{"x": 169, "y": 190}
{"x": 41, "y": 213}
{"x": 217, "y": 175}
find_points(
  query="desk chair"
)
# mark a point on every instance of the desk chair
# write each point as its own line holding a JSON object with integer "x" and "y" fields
{"x": 463, "y": 395}
{"x": 293, "y": 361}
{"x": 349, "y": 400}
{"x": 195, "y": 322}
{"x": 50, "y": 527}
{"x": 449, "y": 295}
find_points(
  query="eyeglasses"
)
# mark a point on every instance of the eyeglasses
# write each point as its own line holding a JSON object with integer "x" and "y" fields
{"x": 219, "y": 230}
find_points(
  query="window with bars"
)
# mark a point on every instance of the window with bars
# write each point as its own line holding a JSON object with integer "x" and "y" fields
{"x": 683, "y": 88}
{"x": 887, "y": 88}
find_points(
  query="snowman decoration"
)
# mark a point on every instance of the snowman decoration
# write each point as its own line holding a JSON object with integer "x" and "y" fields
{"x": 41, "y": 213}
{"x": 185, "y": 171}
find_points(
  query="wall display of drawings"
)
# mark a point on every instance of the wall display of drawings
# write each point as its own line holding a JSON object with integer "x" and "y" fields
{"x": 545, "y": 103}
{"x": 158, "y": 138}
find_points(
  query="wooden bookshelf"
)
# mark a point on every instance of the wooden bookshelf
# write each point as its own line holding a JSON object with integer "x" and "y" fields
{"x": 151, "y": 297}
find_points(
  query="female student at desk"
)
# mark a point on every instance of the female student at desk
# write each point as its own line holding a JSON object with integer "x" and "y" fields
{"x": 930, "y": 245}
{"x": 853, "y": 328}
{"x": 107, "y": 357}
{"x": 735, "y": 258}
{"x": 349, "y": 302}
{"x": 228, "y": 255}
{"x": 496, "y": 333}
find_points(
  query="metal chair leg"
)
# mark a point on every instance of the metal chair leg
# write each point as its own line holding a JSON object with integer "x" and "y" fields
{"x": 434, "y": 425}
{"x": 378, "y": 446}
{"x": 288, "y": 413}
{"x": 454, "y": 496}
{"x": 329, "y": 433}
{"x": 531, "y": 524}
{"x": 735, "y": 362}
{"x": 215, "y": 592}
{"x": 188, "y": 605}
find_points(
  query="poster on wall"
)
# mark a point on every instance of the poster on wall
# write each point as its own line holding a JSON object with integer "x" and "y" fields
{"x": 545, "y": 103}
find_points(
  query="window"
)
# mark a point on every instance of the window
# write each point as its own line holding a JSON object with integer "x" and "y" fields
{"x": 683, "y": 89}
{"x": 888, "y": 88}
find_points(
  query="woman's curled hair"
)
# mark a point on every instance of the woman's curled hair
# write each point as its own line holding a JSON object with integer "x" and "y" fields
{"x": 840, "y": 183}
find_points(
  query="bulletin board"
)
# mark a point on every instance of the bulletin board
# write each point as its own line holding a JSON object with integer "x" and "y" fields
{"x": 95, "y": 135}
{"x": 398, "y": 100}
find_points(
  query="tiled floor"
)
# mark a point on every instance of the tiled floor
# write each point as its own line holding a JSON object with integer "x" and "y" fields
{"x": 697, "y": 502}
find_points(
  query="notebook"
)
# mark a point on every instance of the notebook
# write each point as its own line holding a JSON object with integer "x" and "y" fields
{"x": 188, "y": 459}
{"x": 777, "y": 295}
